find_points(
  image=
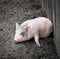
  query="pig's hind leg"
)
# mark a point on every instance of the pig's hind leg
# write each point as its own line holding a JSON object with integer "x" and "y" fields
{"x": 36, "y": 38}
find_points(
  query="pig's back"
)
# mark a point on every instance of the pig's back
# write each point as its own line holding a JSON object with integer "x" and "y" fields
{"x": 40, "y": 22}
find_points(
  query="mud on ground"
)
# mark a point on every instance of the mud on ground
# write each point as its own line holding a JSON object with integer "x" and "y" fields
{"x": 12, "y": 11}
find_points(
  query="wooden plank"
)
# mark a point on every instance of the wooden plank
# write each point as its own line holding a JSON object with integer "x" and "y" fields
{"x": 44, "y": 4}
{"x": 58, "y": 26}
{"x": 53, "y": 9}
{"x": 47, "y": 5}
{"x": 54, "y": 16}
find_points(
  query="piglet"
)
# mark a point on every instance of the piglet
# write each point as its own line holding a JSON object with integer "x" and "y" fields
{"x": 40, "y": 27}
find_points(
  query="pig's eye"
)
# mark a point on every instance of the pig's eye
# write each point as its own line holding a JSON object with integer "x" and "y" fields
{"x": 22, "y": 33}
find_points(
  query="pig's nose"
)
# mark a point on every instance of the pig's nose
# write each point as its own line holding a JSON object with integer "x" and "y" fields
{"x": 15, "y": 41}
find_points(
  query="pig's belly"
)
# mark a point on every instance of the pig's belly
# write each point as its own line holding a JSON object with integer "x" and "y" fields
{"x": 44, "y": 33}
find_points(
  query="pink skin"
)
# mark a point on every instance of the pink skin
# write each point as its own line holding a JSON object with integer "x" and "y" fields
{"x": 38, "y": 28}
{"x": 16, "y": 39}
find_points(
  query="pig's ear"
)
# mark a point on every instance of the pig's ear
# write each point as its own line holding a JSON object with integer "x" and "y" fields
{"x": 28, "y": 28}
{"x": 17, "y": 26}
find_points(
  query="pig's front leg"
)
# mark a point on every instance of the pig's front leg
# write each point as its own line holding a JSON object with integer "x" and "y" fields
{"x": 36, "y": 38}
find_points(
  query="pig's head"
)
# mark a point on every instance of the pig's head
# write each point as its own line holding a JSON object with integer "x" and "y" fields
{"x": 20, "y": 33}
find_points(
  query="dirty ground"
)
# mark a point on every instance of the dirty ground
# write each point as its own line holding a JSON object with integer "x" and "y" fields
{"x": 12, "y": 11}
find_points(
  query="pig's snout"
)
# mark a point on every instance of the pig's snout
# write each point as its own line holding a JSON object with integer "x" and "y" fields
{"x": 16, "y": 40}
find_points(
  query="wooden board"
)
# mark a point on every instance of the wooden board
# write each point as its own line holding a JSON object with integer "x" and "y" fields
{"x": 53, "y": 12}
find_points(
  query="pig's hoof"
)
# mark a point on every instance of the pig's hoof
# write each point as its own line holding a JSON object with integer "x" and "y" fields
{"x": 38, "y": 45}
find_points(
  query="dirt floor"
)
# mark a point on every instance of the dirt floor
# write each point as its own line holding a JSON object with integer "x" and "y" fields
{"x": 12, "y": 11}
